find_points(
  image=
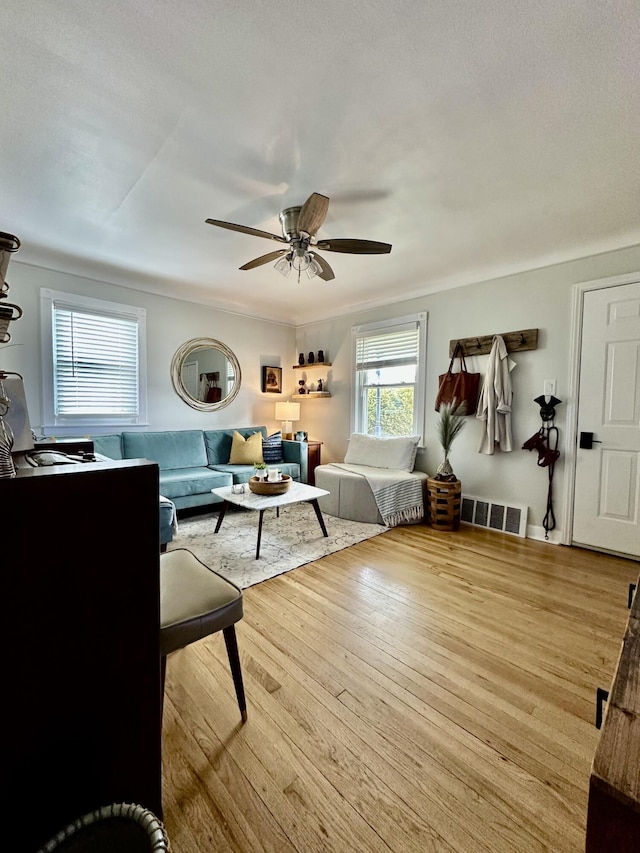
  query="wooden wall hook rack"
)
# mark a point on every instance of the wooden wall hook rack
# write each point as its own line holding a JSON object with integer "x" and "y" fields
{"x": 515, "y": 342}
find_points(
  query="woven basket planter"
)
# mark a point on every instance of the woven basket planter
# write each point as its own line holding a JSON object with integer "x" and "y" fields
{"x": 444, "y": 500}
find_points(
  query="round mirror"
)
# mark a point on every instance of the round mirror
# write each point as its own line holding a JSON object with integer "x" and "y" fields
{"x": 205, "y": 374}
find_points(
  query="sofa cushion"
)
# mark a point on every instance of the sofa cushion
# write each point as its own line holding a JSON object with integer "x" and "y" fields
{"x": 246, "y": 451}
{"x": 178, "y": 482}
{"x": 398, "y": 453}
{"x": 108, "y": 445}
{"x": 168, "y": 520}
{"x": 242, "y": 473}
{"x": 218, "y": 442}
{"x": 290, "y": 468}
{"x": 171, "y": 449}
{"x": 272, "y": 448}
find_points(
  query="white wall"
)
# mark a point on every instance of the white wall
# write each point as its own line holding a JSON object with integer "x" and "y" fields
{"x": 539, "y": 299}
{"x": 170, "y": 323}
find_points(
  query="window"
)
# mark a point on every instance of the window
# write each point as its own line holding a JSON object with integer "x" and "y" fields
{"x": 389, "y": 380}
{"x": 94, "y": 363}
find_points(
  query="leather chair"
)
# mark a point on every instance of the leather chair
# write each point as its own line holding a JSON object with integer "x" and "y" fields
{"x": 195, "y": 602}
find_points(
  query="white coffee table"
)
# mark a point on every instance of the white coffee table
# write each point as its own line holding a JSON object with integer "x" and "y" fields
{"x": 297, "y": 493}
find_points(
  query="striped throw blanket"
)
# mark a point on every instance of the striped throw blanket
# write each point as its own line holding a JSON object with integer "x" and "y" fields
{"x": 397, "y": 494}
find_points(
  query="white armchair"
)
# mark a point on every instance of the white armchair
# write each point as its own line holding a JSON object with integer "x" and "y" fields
{"x": 376, "y": 483}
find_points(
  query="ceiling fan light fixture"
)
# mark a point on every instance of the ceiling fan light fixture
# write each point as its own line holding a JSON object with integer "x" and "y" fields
{"x": 314, "y": 268}
{"x": 284, "y": 265}
{"x": 301, "y": 259}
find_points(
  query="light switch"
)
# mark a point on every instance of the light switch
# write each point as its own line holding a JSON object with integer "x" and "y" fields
{"x": 549, "y": 387}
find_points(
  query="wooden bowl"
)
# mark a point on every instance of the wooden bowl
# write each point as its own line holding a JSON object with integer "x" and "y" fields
{"x": 265, "y": 487}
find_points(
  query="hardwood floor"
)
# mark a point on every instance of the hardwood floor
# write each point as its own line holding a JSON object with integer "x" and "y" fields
{"x": 421, "y": 691}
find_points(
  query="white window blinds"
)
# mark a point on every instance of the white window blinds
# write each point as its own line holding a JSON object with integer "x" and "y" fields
{"x": 95, "y": 363}
{"x": 397, "y": 347}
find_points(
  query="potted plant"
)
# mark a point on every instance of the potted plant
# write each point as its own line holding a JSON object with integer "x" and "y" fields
{"x": 260, "y": 470}
{"x": 449, "y": 426}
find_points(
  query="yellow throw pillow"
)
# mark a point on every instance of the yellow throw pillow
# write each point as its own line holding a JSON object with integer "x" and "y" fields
{"x": 246, "y": 451}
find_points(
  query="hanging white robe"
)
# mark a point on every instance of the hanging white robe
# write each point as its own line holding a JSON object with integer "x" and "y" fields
{"x": 494, "y": 407}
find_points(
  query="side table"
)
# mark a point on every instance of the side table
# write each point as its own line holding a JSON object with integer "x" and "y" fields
{"x": 444, "y": 499}
{"x": 314, "y": 452}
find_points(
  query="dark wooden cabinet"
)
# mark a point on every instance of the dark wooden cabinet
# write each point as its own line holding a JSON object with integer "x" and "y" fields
{"x": 80, "y": 628}
{"x": 314, "y": 459}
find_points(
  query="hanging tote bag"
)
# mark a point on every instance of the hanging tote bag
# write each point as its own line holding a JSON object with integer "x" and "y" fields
{"x": 461, "y": 388}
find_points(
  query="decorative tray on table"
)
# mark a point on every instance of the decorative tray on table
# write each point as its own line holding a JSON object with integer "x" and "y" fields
{"x": 270, "y": 487}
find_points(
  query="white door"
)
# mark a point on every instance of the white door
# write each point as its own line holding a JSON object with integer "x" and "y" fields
{"x": 607, "y": 483}
{"x": 190, "y": 378}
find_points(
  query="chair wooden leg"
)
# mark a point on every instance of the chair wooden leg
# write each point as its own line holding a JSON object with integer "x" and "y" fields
{"x": 234, "y": 662}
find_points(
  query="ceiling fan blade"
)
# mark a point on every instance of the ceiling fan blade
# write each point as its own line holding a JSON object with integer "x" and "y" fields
{"x": 327, "y": 273}
{"x": 244, "y": 229}
{"x": 355, "y": 247}
{"x": 313, "y": 213}
{"x": 264, "y": 259}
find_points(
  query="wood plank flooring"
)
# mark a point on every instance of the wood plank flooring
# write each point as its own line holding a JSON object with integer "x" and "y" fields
{"x": 421, "y": 691}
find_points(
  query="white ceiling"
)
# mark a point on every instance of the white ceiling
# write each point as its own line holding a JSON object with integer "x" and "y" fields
{"x": 480, "y": 138}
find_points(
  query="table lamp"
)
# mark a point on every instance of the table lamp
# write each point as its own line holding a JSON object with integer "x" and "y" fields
{"x": 287, "y": 412}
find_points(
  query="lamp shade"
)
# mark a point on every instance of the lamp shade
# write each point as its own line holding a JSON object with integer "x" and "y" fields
{"x": 287, "y": 411}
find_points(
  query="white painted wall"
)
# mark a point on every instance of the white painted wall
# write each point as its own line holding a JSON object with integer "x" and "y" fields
{"x": 170, "y": 322}
{"x": 537, "y": 299}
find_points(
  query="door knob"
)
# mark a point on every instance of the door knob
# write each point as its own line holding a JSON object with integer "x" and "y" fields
{"x": 587, "y": 440}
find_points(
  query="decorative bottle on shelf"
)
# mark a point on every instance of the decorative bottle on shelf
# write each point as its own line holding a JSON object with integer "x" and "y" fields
{"x": 301, "y": 389}
{"x": 319, "y": 384}
{"x": 321, "y": 356}
{"x": 301, "y": 359}
{"x": 311, "y": 358}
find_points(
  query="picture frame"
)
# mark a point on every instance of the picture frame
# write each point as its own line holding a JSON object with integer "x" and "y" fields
{"x": 271, "y": 380}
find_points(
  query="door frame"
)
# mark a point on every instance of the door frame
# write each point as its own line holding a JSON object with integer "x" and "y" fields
{"x": 575, "y": 344}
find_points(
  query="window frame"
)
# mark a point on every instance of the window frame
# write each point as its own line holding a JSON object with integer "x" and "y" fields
{"x": 358, "y": 409}
{"x": 86, "y": 424}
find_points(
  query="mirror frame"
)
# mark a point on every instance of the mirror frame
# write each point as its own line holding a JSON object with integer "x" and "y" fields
{"x": 178, "y": 361}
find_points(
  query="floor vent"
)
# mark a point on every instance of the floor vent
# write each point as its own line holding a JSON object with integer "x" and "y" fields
{"x": 494, "y": 516}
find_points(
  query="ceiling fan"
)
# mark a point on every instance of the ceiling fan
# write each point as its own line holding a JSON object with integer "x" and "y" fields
{"x": 300, "y": 226}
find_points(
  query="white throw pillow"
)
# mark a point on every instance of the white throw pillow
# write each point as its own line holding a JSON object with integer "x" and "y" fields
{"x": 398, "y": 453}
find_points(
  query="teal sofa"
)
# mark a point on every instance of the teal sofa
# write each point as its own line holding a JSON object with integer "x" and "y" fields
{"x": 193, "y": 462}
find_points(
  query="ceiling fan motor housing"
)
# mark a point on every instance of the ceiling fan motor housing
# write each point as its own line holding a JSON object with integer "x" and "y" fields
{"x": 289, "y": 221}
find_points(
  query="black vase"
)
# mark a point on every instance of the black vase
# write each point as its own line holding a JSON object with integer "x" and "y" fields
{"x": 312, "y": 358}
{"x": 321, "y": 356}
{"x": 301, "y": 359}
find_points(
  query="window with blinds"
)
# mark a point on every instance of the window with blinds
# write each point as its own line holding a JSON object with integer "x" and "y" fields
{"x": 389, "y": 377}
{"x": 94, "y": 354}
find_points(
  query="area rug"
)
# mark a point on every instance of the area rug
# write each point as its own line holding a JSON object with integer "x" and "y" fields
{"x": 288, "y": 542}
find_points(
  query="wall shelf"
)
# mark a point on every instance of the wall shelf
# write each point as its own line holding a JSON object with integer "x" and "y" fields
{"x": 312, "y": 395}
{"x": 315, "y": 364}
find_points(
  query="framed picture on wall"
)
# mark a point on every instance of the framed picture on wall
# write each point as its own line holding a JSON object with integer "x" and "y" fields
{"x": 272, "y": 380}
